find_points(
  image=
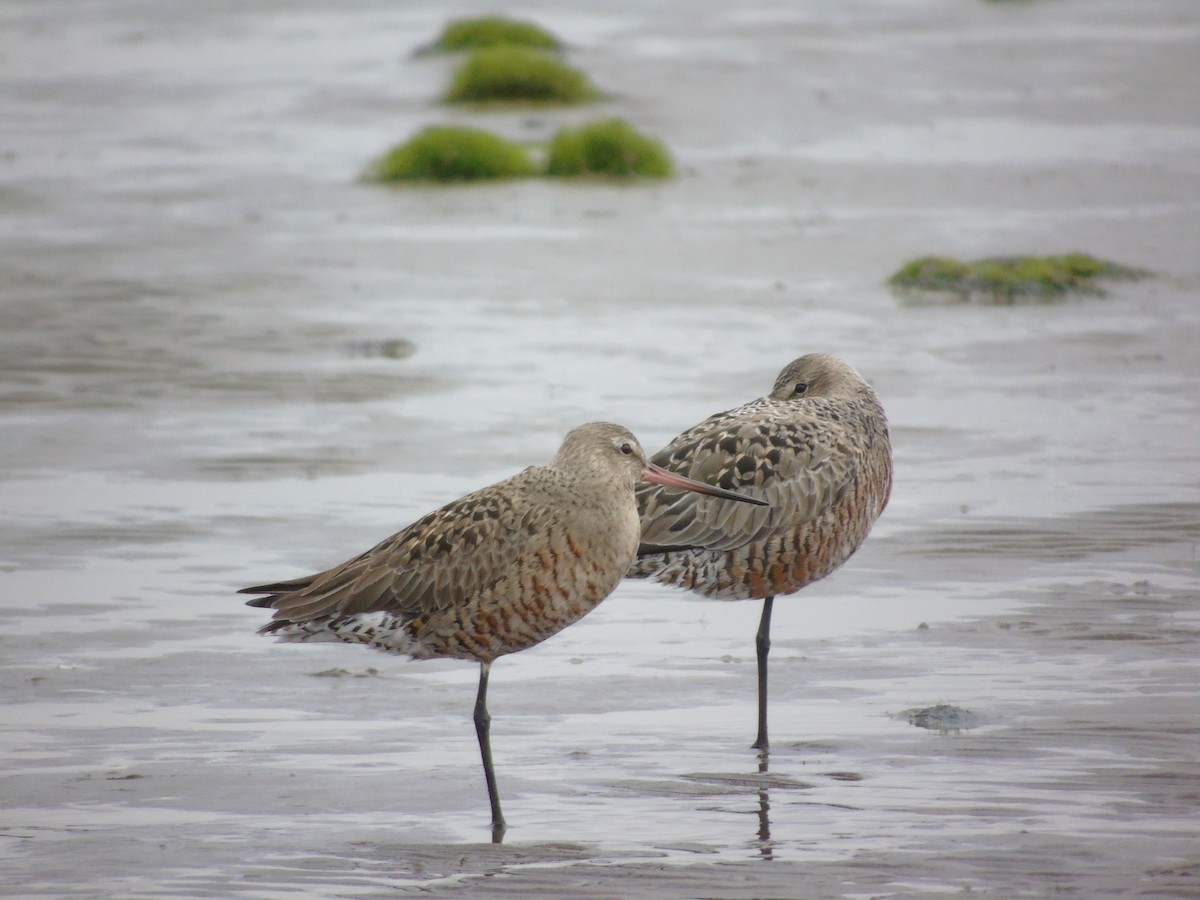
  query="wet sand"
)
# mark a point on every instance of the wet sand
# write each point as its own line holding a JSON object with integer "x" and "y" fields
{"x": 223, "y": 359}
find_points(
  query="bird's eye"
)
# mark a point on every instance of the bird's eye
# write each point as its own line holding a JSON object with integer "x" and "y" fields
{"x": 627, "y": 449}
{"x": 800, "y": 388}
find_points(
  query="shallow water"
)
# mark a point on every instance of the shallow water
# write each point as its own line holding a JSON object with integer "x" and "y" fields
{"x": 223, "y": 360}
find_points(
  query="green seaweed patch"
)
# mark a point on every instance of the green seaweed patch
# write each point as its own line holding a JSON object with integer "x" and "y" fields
{"x": 508, "y": 74}
{"x": 609, "y": 148}
{"x": 1010, "y": 279}
{"x": 447, "y": 153}
{"x": 491, "y": 31}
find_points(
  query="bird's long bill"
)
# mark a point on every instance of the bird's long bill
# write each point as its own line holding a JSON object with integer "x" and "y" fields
{"x": 659, "y": 475}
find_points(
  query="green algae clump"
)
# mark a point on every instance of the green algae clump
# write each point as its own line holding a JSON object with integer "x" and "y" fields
{"x": 446, "y": 153}
{"x": 508, "y": 74}
{"x": 492, "y": 31}
{"x": 1010, "y": 279}
{"x": 608, "y": 148}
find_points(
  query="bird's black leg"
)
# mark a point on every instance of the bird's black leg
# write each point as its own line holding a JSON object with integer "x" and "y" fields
{"x": 762, "y": 643}
{"x": 483, "y": 730}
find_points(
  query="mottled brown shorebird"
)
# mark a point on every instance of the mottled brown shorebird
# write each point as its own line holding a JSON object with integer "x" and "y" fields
{"x": 817, "y": 448}
{"x": 495, "y": 572}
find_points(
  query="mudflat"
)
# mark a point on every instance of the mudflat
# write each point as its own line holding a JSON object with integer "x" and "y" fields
{"x": 224, "y": 358}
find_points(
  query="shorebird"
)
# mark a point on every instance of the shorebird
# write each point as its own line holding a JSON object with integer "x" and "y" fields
{"x": 817, "y": 448}
{"x": 494, "y": 572}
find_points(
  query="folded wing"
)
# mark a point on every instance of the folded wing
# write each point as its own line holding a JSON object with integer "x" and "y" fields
{"x": 799, "y": 465}
{"x": 437, "y": 563}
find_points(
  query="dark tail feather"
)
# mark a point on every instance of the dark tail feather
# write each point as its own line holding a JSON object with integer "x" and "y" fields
{"x": 267, "y": 602}
{"x": 274, "y": 590}
{"x": 273, "y": 625}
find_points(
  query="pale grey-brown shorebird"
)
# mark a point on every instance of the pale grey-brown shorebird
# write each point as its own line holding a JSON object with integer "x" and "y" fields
{"x": 497, "y": 571}
{"x": 817, "y": 449}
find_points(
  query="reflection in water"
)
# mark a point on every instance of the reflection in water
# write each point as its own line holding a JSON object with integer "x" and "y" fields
{"x": 738, "y": 786}
{"x": 765, "y": 847}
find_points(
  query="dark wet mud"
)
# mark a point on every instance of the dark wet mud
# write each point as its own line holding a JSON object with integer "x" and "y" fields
{"x": 224, "y": 359}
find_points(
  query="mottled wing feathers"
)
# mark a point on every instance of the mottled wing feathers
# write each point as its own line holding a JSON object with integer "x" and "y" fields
{"x": 765, "y": 449}
{"x": 437, "y": 563}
